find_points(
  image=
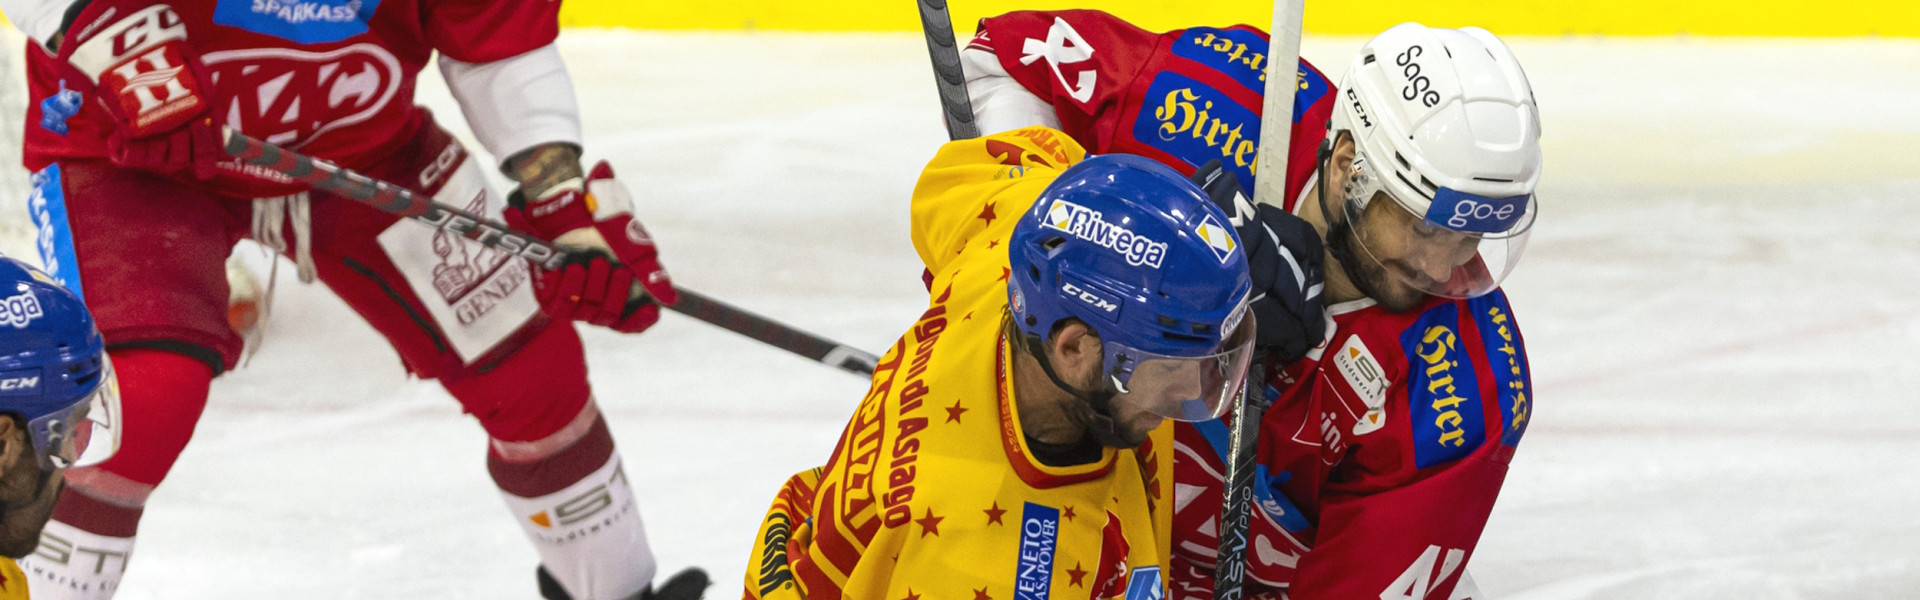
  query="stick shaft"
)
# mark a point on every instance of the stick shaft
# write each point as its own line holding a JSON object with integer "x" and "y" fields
{"x": 1276, "y": 112}
{"x": 952, "y": 81}
{"x": 387, "y": 197}
{"x": 1236, "y": 512}
{"x": 1270, "y": 184}
{"x": 774, "y": 333}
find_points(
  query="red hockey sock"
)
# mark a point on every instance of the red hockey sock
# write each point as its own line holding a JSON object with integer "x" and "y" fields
{"x": 556, "y": 471}
{"x": 78, "y": 508}
{"x": 161, "y": 397}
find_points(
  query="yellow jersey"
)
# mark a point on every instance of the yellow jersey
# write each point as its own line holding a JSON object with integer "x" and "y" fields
{"x": 13, "y": 582}
{"x": 932, "y": 491}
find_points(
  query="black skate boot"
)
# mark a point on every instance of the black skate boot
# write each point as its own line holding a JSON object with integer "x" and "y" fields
{"x": 688, "y": 584}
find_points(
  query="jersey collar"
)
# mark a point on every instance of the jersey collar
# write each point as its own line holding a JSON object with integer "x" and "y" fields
{"x": 1030, "y": 470}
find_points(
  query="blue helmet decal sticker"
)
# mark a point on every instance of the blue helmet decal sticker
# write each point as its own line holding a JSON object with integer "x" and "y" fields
{"x": 19, "y": 310}
{"x": 1087, "y": 224}
{"x": 1461, "y": 211}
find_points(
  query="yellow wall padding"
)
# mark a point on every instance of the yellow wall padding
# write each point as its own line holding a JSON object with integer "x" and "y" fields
{"x": 1835, "y": 18}
{"x": 1776, "y": 18}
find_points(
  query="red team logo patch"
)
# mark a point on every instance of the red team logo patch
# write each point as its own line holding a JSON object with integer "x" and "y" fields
{"x": 290, "y": 97}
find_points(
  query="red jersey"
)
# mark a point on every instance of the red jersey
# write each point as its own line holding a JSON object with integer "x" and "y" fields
{"x": 1385, "y": 448}
{"x": 1382, "y": 456}
{"x": 1182, "y": 97}
{"x": 329, "y": 78}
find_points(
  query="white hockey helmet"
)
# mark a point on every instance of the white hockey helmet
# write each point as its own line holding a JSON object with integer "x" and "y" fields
{"x": 1443, "y": 121}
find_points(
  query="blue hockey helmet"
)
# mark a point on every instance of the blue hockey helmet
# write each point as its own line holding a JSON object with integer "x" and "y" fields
{"x": 1138, "y": 253}
{"x": 54, "y": 370}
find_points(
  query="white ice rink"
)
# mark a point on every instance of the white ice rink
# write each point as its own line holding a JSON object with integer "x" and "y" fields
{"x": 1720, "y": 299}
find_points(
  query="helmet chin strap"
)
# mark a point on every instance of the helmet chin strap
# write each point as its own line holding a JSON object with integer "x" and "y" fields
{"x": 1101, "y": 423}
{"x": 1339, "y": 242}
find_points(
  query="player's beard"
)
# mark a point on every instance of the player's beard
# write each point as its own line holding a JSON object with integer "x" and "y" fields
{"x": 27, "y": 496}
{"x": 1112, "y": 431}
{"x": 1099, "y": 417}
{"x": 1133, "y": 431}
{"x": 1369, "y": 276}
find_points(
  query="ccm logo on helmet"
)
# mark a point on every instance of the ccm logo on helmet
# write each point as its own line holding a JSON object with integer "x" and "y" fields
{"x": 20, "y": 310}
{"x": 1090, "y": 298}
{"x": 19, "y": 384}
{"x": 1359, "y": 109}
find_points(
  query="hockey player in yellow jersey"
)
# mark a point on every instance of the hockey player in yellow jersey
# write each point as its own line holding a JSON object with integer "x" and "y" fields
{"x": 1011, "y": 444}
{"x": 59, "y": 408}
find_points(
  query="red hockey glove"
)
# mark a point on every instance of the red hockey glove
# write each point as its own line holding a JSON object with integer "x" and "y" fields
{"x": 153, "y": 85}
{"x": 593, "y": 221}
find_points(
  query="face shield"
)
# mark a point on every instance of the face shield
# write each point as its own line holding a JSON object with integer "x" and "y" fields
{"x": 83, "y": 434}
{"x": 1461, "y": 246}
{"x": 1182, "y": 388}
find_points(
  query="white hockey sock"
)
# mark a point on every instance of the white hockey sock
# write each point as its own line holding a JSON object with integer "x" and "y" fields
{"x": 589, "y": 535}
{"x": 71, "y": 564}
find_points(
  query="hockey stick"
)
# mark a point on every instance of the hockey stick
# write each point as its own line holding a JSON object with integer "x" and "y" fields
{"x": 938, "y": 26}
{"x": 1270, "y": 184}
{"x": 394, "y": 199}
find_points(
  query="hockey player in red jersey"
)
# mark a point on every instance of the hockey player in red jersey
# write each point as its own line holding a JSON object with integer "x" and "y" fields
{"x": 138, "y": 209}
{"x": 1388, "y": 440}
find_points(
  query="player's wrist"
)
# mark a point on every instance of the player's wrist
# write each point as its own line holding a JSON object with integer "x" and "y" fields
{"x": 541, "y": 168}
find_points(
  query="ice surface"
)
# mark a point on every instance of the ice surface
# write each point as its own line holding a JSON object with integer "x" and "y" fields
{"x": 1720, "y": 303}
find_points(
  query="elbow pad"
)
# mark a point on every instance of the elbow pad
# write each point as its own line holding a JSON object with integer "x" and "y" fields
{"x": 1000, "y": 103}
{"x": 516, "y": 103}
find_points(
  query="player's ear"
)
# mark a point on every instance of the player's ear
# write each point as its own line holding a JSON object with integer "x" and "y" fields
{"x": 1340, "y": 164}
{"x": 1076, "y": 351}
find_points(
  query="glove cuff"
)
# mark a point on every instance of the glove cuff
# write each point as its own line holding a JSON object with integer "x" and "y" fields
{"x": 561, "y": 209}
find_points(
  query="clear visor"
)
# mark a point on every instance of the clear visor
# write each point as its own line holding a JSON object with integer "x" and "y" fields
{"x": 1463, "y": 247}
{"x": 85, "y": 433}
{"x": 1182, "y": 388}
